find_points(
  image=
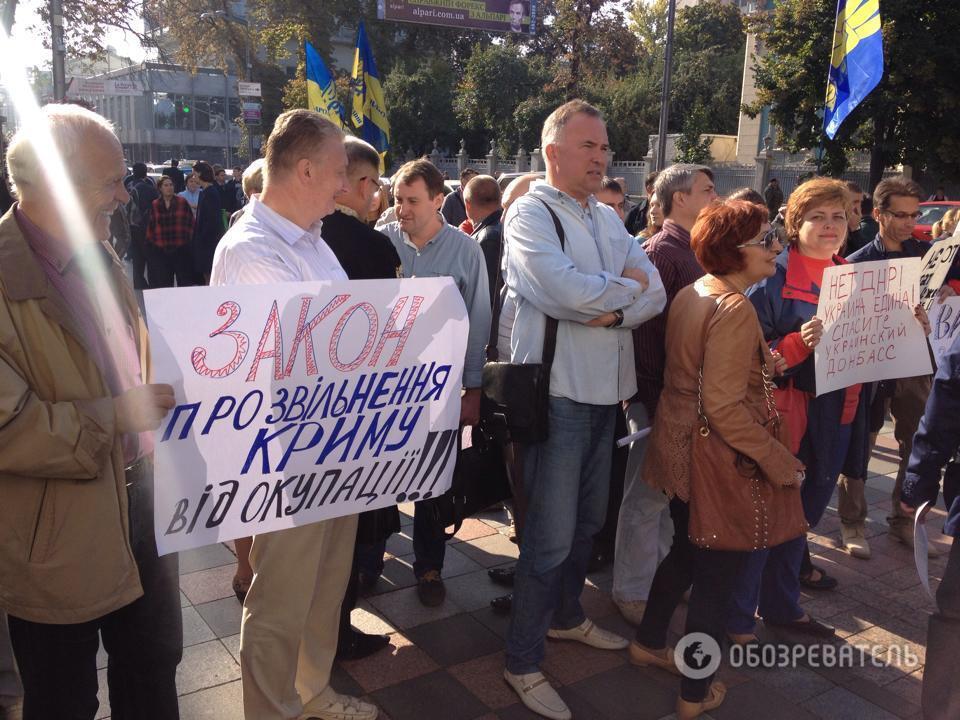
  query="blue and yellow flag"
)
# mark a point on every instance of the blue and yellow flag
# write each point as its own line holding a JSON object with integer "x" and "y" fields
{"x": 369, "y": 108}
{"x": 321, "y": 91}
{"x": 856, "y": 66}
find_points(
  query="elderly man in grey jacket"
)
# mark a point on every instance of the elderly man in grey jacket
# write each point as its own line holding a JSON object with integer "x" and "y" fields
{"x": 599, "y": 286}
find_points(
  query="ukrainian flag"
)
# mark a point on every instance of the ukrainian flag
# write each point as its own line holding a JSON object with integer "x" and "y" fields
{"x": 369, "y": 108}
{"x": 321, "y": 92}
{"x": 856, "y": 66}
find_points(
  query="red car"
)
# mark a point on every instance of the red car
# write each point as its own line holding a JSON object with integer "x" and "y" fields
{"x": 931, "y": 212}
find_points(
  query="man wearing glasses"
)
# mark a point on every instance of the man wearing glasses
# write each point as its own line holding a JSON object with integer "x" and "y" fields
{"x": 896, "y": 207}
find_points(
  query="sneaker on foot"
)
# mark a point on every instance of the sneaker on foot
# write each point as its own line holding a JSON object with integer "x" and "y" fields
{"x": 430, "y": 589}
{"x": 854, "y": 541}
{"x": 590, "y": 634}
{"x": 538, "y": 695}
{"x": 632, "y": 610}
{"x": 341, "y": 707}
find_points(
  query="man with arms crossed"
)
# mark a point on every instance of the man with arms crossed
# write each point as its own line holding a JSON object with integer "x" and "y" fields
{"x": 599, "y": 286}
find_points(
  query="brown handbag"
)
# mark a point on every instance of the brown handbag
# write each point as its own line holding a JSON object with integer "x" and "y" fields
{"x": 725, "y": 485}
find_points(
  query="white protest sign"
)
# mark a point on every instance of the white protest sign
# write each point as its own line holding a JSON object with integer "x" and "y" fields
{"x": 936, "y": 265}
{"x": 869, "y": 330}
{"x": 944, "y": 324}
{"x": 299, "y": 402}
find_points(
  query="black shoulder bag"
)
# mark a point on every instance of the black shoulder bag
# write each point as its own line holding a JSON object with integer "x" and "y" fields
{"x": 517, "y": 395}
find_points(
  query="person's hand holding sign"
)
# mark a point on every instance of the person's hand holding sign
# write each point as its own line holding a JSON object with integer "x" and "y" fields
{"x": 142, "y": 408}
{"x": 470, "y": 407}
{"x": 811, "y": 332}
{"x": 945, "y": 292}
{"x": 921, "y": 315}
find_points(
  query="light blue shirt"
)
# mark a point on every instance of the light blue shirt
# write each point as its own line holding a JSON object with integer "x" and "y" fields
{"x": 592, "y": 364}
{"x": 451, "y": 253}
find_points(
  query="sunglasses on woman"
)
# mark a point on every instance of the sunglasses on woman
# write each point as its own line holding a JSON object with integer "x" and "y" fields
{"x": 766, "y": 242}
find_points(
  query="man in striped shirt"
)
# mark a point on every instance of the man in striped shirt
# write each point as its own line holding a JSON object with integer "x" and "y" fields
{"x": 288, "y": 636}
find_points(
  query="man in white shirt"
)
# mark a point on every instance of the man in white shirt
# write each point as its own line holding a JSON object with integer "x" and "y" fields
{"x": 291, "y": 614}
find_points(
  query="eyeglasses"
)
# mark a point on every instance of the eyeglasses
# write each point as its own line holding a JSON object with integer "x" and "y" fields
{"x": 904, "y": 215}
{"x": 766, "y": 242}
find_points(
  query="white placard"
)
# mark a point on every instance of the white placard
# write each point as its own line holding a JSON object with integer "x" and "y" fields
{"x": 300, "y": 402}
{"x": 936, "y": 265}
{"x": 248, "y": 89}
{"x": 944, "y": 324}
{"x": 869, "y": 329}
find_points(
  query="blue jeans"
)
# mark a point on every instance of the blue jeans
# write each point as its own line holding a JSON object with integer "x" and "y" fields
{"x": 566, "y": 481}
{"x": 770, "y": 579}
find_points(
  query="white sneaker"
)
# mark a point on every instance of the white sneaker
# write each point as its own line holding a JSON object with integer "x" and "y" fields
{"x": 589, "y": 634}
{"x": 538, "y": 695}
{"x": 632, "y": 610}
{"x": 342, "y": 707}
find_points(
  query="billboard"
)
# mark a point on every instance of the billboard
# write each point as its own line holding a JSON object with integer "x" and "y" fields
{"x": 506, "y": 16}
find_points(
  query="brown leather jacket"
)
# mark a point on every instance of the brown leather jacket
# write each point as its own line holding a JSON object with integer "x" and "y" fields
{"x": 65, "y": 556}
{"x": 733, "y": 396}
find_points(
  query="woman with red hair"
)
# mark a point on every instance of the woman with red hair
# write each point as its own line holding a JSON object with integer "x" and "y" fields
{"x": 716, "y": 376}
{"x": 823, "y": 427}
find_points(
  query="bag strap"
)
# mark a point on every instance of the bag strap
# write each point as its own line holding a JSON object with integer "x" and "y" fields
{"x": 704, "y": 425}
{"x": 768, "y": 385}
{"x": 492, "y": 353}
{"x": 550, "y": 333}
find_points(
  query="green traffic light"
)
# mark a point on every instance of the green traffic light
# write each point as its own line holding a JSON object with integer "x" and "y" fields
{"x": 186, "y": 109}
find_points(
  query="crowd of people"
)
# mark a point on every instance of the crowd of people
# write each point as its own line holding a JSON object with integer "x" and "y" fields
{"x": 686, "y": 314}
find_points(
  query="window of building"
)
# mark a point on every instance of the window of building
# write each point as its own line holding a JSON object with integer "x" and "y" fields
{"x": 172, "y": 112}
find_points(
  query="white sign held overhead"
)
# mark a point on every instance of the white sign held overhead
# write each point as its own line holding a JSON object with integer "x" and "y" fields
{"x": 300, "y": 402}
{"x": 248, "y": 89}
{"x": 869, "y": 329}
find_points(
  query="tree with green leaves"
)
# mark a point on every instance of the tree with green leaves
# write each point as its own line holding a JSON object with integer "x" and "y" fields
{"x": 910, "y": 117}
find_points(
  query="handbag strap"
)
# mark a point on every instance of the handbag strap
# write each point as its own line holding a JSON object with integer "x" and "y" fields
{"x": 704, "y": 425}
{"x": 550, "y": 333}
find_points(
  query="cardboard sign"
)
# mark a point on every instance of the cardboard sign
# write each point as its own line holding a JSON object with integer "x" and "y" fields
{"x": 936, "y": 265}
{"x": 869, "y": 329}
{"x": 299, "y": 402}
{"x": 944, "y": 324}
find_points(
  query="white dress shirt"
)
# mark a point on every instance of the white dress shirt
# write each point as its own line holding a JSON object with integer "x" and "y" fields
{"x": 265, "y": 247}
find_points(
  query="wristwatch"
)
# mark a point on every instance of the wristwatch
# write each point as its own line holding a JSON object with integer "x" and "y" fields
{"x": 618, "y": 321}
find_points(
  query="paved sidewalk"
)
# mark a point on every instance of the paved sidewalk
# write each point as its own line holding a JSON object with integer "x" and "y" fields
{"x": 445, "y": 663}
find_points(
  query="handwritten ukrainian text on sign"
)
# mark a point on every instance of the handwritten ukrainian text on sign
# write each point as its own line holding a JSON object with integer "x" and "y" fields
{"x": 936, "y": 265}
{"x": 869, "y": 329}
{"x": 945, "y": 326}
{"x": 301, "y": 402}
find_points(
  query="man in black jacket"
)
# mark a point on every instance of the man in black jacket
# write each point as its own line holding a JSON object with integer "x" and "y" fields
{"x": 454, "y": 210}
{"x": 481, "y": 197}
{"x": 365, "y": 254}
{"x": 176, "y": 174}
{"x": 143, "y": 192}
{"x": 636, "y": 220}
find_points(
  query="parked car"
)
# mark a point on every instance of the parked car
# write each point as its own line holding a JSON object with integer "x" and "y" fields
{"x": 931, "y": 212}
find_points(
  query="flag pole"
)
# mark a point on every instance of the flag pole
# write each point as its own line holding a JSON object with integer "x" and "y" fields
{"x": 823, "y": 129}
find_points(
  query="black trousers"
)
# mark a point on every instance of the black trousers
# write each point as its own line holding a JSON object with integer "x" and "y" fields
{"x": 143, "y": 640}
{"x": 941, "y": 692}
{"x": 712, "y": 573}
{"x": 137, "y": 252}
{"x": 164, "y": 267}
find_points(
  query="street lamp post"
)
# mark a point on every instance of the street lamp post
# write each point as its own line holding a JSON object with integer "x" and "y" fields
{"x": 248, "y": 75}
{"x": 59, "y": 51}
{"x": 665, "y": 90}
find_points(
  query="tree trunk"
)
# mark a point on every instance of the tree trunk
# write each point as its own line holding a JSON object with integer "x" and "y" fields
{"x": 7, "y": 15}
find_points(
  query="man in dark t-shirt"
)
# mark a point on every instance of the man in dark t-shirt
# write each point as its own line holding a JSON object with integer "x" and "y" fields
{"x": 365, "y": 254}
